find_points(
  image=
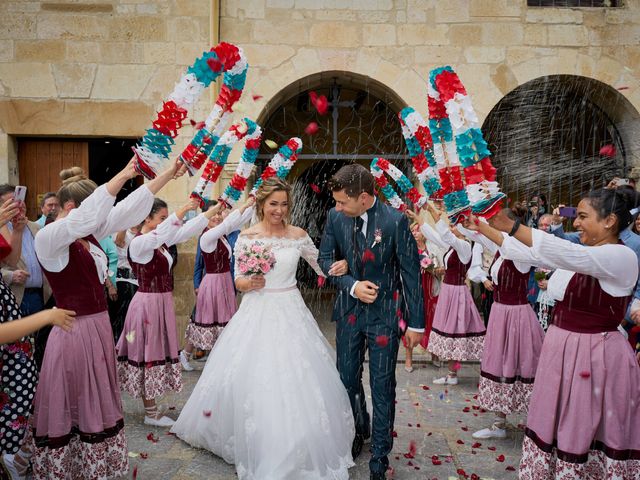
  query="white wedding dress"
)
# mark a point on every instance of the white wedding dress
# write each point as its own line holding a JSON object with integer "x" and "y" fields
{"x": 270, "y": 399}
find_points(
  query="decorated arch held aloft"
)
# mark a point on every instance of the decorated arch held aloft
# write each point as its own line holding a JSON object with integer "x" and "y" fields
{"x": 281, "y": 163}
{"x": 220, "y": 155}
{"x": 467, "y": 177}
{"x": 153, "y": 151}
{"x": 379, "y": 167}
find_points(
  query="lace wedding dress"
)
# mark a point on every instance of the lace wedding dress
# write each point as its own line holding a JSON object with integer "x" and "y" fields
{"x": 270, "y": 399}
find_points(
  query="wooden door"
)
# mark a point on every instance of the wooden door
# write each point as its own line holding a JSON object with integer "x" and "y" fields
{"x": 39, "y": 165}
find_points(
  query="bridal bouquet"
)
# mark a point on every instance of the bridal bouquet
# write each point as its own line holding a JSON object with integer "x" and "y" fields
{"x": 255, "y": 259}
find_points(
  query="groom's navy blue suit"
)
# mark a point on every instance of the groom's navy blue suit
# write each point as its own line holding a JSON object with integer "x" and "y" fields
{"x": 393, "y": 265}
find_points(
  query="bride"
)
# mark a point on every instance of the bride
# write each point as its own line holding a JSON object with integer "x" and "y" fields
{"x": 270, "y": 399}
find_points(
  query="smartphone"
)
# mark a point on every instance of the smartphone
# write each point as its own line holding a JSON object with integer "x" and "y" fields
{"x": 20, "y": 193}
{"x": 621, "y": 182}
{"x": 568, "y": 212}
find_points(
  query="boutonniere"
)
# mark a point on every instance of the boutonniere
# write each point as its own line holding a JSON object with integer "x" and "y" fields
{"x": 377, "y": 237}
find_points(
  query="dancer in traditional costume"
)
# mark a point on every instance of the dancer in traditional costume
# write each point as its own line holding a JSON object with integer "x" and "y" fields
{"x": 512, "y": 344}
{"x": 77, "y": 423}
{"x": 148, "y": 364}
{"x": 216, "y": 301}
{"x": 458, "y": 332}
{"x": 582, "y": 421}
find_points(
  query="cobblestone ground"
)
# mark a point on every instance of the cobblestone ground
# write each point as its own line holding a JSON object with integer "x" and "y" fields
{"x": 439, "y": 420}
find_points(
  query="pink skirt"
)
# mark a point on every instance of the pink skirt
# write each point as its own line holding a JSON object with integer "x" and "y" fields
{"x": 458, "y": 331}
{"x": 78, "y": 426}
{"x": 583, "y": 417}
{"x": 148, "y": 364}
{"x": 510, "y": 358}
{"x": 215, "y": 305}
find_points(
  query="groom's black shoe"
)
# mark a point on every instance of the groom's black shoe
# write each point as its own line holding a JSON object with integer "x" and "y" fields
{"x": 356, "y": 447}
{"x": 377, "y": 476}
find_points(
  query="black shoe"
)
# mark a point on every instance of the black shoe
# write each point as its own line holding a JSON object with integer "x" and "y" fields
{"x": 356, "y": 447}
{"x": 377, "y": 476}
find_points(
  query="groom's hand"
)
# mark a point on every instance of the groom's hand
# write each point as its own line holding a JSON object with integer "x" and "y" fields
{"x": 413, "y": 338}
{"x": 366, "y": 291}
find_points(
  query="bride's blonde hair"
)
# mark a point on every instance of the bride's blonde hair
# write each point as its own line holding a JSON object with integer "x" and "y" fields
{"x": 268, "y": 187}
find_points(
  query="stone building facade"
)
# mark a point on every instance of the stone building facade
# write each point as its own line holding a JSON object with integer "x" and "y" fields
{"x": 99, "y": 68}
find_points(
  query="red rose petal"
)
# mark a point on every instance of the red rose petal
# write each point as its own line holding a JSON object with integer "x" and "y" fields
{"x": 622, "y": 88}
{"x": 461, "y": 472}
{"x": 311, "y": 129}
{"x": 500, "y": 458}
{"x": 321, "y": 281}
{"x": 256, "y": 97}
{"x": 314, "y": 187}
{"x": 608, "y": 151}
{"x": 134, "y": 475}
{"x": 476, "y": 445}
{"x": 144, "y": 455}
{"x": 474, "y": 477}
{"x": 585, "y": 374}
{"x": 382, "y": 341}
{"x": 368, "y": 256}
{"x": 464, "y": 429}
{"x": 394, "y": 434}
{"x": 152, "y": 438}
{"x": 435, "y": 460}
{"x": 493, "y": 449}
{"x": 466, "y": 409}
{"x": 206, "y": 413}
{"x": 510, "y": 469}
{"x": 459, "y": 442}
{"x": 396, "y": 295}
{"x": 425, "y": 387}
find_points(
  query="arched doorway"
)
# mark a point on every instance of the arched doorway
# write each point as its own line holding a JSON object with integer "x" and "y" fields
{"x": 547, "y": 134}
{"x": 361, "y": 124}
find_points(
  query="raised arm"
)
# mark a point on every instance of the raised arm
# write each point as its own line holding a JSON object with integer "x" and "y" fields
{"x": 235, "y": 220}
{"x": 52, "y": 242}
{"x": 462, "y": 247}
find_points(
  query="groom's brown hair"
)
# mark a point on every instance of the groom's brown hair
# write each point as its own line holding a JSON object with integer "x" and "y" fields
{"x": 354, "y": 179}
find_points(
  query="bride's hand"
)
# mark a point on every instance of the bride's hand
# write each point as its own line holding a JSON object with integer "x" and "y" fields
{"x": 256, "y": 282}
{"x": 339, "y": 268}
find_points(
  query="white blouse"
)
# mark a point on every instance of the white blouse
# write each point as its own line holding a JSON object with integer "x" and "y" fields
{"x": 95, "y": 216}
{"x": 448, "y": 239}
{"x": 235, "y": 220}
{"x": 170, "y": 232}
{"x": 480, "y": 239}
{"x": 615, "y": 266}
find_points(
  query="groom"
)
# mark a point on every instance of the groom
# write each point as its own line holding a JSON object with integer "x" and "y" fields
{"x": 382, "y": 285}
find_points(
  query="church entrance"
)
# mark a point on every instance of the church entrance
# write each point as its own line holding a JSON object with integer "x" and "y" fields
{"x": 361, "y": 124}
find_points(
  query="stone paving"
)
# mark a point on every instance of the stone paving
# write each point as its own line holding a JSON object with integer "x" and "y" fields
{"x": 440, "y": 420}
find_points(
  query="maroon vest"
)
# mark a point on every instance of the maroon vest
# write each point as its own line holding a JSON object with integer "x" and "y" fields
{"x": 586, "y": 308}
{"x": 217, "y": 261}
{"x": 77, "y": 286}
{"x": 155, "y": 276}
{"x": 456, "y": 272}
{"x": 512, "y": 284}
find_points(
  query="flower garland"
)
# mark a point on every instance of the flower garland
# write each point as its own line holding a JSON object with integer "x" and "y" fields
{"x": 420, "y": 145}
{"x": 281, "y": 163}
{"x": 380, "y": 166}
{"x": 238, "y": 182}
{"x": 219, "y": 157}
{"x": 154, "y": 149}
{"x": 462, "y": 155}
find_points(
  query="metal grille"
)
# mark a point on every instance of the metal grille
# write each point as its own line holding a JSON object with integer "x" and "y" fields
{"x": 574, "y": 3}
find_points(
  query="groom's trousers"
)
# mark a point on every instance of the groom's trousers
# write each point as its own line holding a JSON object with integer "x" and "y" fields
{"x": 353, "y": 337}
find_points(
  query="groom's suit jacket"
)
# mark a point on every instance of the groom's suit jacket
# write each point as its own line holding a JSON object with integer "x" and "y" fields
{"x": 392, "y": 264}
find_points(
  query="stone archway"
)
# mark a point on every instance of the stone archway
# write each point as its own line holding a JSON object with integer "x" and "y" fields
{"x": 360, "y": 125}
{"x": 546, "y": 135}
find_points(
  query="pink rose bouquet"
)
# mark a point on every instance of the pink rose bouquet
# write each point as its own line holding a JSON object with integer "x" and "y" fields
{"x": 256, "y": 259}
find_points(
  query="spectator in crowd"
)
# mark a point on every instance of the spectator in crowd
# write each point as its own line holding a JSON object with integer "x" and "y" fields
{"x": 49, "y": 206}
{"x": 26, "y": 281}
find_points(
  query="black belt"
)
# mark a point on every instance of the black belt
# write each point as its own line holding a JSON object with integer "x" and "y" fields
{"x": 125, "y": 273}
